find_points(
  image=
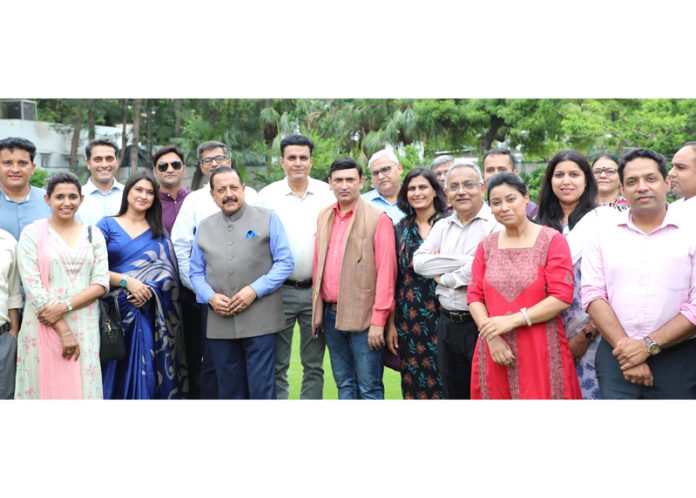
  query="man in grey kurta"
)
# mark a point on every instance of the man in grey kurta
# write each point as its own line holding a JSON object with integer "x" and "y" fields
{"x": 240, "y": 258}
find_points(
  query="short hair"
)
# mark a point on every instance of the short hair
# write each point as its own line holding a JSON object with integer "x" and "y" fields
{"x": 464, "y": 163}
{"x": 296, "y": 140}
{"x": 221, "y": 170}
{"x": 345, "y": 163}
{"x": 63, "y": 177}
{"x": 389, "y": 154}
{"x": 500, "y": 152}
{"x": 440, "y": 160}
{"x": 607, "y": 155}
{"x": 506, "y": 178}
{"x": 12, "y": 143}
{"x": 440, "y": 200}
{"x": 644, "y": 153}
{"x": 209, "y": 145}
{"x": 166, "y": 150}
{"x": 97, "y": 142}
{"x": 550, "y": 212}
{"x": 153, "y": 215}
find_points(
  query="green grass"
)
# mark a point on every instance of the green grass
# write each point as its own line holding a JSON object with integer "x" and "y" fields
{"x": 391, "y": 378}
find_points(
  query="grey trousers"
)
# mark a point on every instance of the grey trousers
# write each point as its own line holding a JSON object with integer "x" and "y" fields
{"x": 297, "y": 305}
{"x": 8, "y": 365}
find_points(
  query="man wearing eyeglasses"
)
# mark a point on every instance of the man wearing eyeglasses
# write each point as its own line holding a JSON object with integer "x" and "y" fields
{"x": 503, "y": 161}
{"x": 102, "y": 191}
{"x": 446, "y": 256}
{"x": 169, "y": 168}
{"x": 197, "y": 206}
{"x": 386, "y": 171}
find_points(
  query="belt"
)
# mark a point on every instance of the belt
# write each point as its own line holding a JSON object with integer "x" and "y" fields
{"x": 457, "y": 316}
{"x": 5, "y": 327}
{"x": 304, "y": 284}
{"x": 333, "y": 306}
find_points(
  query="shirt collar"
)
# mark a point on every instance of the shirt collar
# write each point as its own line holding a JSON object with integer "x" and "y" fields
{"x": 484, "y": 213}
{"x": 90, "y": 188}
{"x": 671, "y": 219}
{"x": 286, "y": 190}
{"x": 31, "y": 189}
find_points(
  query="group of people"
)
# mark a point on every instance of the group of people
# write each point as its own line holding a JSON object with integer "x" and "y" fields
{"x": 450, "y": 275}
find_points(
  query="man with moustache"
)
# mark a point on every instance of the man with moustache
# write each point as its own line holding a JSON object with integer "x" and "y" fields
{"x": 386, "y": 172}
{"x": 639, "y": 288}
{"x": 102, "y": 192}
{"x": 240, "y": 259}
{"x": 169, "y": 167}
{"x": 297, "y": 200}
{"x": 503, "y": 161}
{"x": 682, "y": 177}
{"x": 446, "y": 255}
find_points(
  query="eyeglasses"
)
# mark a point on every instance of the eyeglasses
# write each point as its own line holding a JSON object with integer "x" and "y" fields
{"x": 385, "y": 170}
{"x": 100, "y": 159}
{"x": 606, "y": 171}
{"x": 217, "y": 159}
{"x": 165, "y": 166}
{"x": 468, "y": 185}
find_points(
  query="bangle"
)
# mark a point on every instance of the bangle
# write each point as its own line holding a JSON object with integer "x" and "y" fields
{"x": 526, "y": 316}
{"x": 66, "y": 335}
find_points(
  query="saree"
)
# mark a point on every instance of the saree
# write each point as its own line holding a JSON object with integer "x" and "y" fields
{"x": 155, "y": 363}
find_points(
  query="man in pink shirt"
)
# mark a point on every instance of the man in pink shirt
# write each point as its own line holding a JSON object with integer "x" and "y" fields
{"x": 639, "y": 287}
{"x": 354, "y": 275}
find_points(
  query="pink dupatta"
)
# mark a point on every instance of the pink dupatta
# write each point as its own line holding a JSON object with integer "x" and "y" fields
{"x": 58, "y": 378}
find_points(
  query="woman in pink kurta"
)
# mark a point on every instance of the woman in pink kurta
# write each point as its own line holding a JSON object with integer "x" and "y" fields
{"x": 522, "y": 279}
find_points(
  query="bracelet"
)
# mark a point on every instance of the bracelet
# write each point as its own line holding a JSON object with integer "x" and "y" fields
{"x": 66, "y": 335}
{"x": 526, "y": 316}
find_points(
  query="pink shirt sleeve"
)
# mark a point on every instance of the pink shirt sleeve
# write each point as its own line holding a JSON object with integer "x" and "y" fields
{"x": 474, "y": 292}
{"x": 385, "y": 263}
{"x": 593, "y": 285}
{"x": 558, "y": 270}
{"x": 688, "y": 309}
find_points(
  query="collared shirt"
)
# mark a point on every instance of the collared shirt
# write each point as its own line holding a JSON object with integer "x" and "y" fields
{"x": 97, "y": 204}
{"x": 171, "y": 206}
{"x": 14, "y": 215}
{"x": 385, "y": 263}
{"x": 647, "y": 278}
{"x": 10, "y": 296}
{"x": 264, "y": 285}
{"x": 196, "y": 207}
{"x": 378, "y": 201}
{"x": 532, "y": 210}
{"x": 449, "y": 251}
{"x": 299, "y": 217}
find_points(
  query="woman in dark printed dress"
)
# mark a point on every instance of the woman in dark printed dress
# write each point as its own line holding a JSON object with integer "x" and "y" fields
{"x": 412, "y": 328}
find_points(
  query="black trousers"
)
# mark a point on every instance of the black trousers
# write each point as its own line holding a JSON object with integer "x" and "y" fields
{"x": 455, "y": 352}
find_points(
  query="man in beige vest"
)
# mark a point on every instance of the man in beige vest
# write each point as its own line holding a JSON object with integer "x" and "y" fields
{"x": 354, "y": 275}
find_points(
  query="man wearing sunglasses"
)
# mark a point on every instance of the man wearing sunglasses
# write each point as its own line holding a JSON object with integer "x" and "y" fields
{"x": 169, "y": 168}
{"x": 102, "y": 191}
{"x": 197, "y": 206}
{"x": 386, "y": 171}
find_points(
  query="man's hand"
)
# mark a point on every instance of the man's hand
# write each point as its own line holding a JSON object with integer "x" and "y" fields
{"x": 501, "y": 354}
{"x": 640, "y": 374}
{"x": 242, "y": 300}
{"x": 220, "y": 304}
{"x": 630, "y": 352}
{"x": 375, "y": 337}
{"x": 578, "y": 346}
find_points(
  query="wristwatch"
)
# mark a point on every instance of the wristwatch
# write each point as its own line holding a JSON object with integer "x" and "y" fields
{"x": 123, "y": 281}
{"x": 68, "y": 305}
{"x": 653, "y": 347}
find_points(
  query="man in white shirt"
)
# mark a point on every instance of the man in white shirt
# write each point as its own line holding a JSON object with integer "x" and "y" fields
{"x": 446, "y": 255}
{"x": 197, "y": 206}
{"x": 682, "y": 177}
{"x": 386, "y": 170}
{"x": 297, "y": 200}
{"x": 102, "y": 191}
{"x": 10, "y": 304}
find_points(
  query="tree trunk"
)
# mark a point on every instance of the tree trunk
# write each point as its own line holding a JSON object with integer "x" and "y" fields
{"x": 493, "y": 133}
{"x": 91, "y": 118}
{"x": 136, "y": 136}
{"x": 177, "y": 117}
{"x": 149, "y": 131}
{"x": 124, "y": 136}
{"x": 77, "y": 127}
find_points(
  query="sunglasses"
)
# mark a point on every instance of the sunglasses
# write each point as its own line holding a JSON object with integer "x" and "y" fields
{"x": 165, "y": 166}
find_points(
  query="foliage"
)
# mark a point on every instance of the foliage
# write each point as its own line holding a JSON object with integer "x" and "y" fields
{"x": 533, "y": 181}
{"x": 38, "y": 178}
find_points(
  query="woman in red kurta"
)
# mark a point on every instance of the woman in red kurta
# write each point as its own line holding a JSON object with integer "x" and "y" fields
{"x": 522, "y": 279}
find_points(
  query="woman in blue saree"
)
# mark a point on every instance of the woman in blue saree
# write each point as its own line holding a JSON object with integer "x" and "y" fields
{"x": 145, "y": 284}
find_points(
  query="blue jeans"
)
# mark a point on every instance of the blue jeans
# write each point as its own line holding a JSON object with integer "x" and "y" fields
{"x": 357, "y": 369}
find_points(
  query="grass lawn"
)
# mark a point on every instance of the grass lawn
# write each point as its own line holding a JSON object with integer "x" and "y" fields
{"x": 391, "y": 378}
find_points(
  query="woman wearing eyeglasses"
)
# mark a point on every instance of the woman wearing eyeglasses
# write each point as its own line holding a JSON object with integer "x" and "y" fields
{"x": 145, "y": 285}
{"x": 605, "y": 169}
{"x": 169, "y": 168}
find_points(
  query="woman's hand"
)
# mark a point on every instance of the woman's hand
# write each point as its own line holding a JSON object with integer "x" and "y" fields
{"x": 392, "y": 339}
{"x": 501, "y": 354}
{"x": 71, "y": 348}
{"x": 51, "y": 313}
{"x": 494, "y": 326}
{"x": 140, "y": 292}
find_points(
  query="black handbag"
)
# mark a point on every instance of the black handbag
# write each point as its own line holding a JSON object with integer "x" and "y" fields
{"x": 112, "y": 345}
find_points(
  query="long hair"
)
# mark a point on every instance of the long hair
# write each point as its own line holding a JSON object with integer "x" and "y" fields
{"x": 550, "y": 212}
{"x": 439, "y": 202}
{"x": 154, "y": 213}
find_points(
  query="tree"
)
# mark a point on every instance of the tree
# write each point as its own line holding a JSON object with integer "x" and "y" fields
{"x": 136, "y": 136}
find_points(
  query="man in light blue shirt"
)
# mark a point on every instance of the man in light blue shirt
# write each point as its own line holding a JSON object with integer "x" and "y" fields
{"x": 20, "y": 202}
{"x": 386, "y": 172}
{"x": 102, "y": 191}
